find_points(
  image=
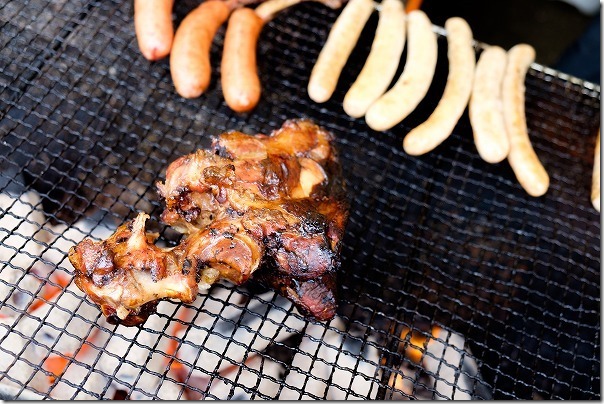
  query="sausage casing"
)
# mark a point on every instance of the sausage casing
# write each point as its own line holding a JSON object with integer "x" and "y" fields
{"x": 462, "y": 62}
{"x": 485, "y": 107}
{"x": 342, "y": 39}
{"x": 413, "y": 84}
{"x": 595, "y": 179}
{"x": 382, "y": 62}
{"x": 153, "y": 27}
{"x": 190, "y": 58}
{"x": 522, "y": 157}
{"x": 240, "y": 82}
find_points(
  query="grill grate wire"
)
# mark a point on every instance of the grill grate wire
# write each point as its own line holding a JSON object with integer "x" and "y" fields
{"x": 439, "y": 242}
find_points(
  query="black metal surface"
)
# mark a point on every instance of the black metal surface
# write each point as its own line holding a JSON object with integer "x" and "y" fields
{"x": 441, "y": 240}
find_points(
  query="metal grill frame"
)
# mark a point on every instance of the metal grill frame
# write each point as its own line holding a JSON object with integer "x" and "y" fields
{"x": 441, "y": 240}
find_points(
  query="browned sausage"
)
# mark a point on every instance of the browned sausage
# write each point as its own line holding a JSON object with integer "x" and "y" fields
{"x": 240, "y": 82}
{"x": 190, "y": 58}
{"x": 153, "y": 27}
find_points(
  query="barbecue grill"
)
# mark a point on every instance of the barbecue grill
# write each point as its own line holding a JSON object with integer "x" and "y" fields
{"x": 455, "y": 283}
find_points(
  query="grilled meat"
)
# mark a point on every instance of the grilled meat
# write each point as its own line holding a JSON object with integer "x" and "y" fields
{"x": 274, "y": 205}
{"x": 127, "y": 274}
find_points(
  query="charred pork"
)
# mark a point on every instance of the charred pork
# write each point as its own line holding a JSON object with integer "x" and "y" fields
{"x": 272, "y": 207}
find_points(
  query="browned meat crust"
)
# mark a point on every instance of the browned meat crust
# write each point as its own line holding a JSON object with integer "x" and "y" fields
{"x": 272, "y": 204}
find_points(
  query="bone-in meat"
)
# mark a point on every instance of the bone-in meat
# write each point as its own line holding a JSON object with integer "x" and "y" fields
{"x": 272, "y": 207}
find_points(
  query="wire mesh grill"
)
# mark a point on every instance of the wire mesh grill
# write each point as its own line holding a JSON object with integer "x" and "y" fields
{"x": 454, "y": 283}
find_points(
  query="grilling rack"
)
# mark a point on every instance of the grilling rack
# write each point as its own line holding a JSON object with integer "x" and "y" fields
{"x": 454, "y": 283}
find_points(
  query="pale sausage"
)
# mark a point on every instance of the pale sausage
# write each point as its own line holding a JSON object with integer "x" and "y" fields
{"x": 382, "y": 62}
{"x": 462, "y": 61}
{"x": 341, "y": 40}
{"x": 526, "y": 165}
{"x": 486, "y": 109}
{"x": 412, "y": 86}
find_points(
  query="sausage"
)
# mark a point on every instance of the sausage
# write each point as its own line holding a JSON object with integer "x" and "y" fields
{"x": 413, "y": 84}
{"x": 268, "y": 9}
{"x": 340, "y": 42}
{"x": 190, "y": 58}
{"x": 522, "y": 158}
{"x": 462, "y": 61}
{"x": 240, "y": 82}
{"x": 595, "y": 179}
{"x": 485, "y": 108}
{"x": 382, "y": 62}
{"x": 153, "y": 27}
